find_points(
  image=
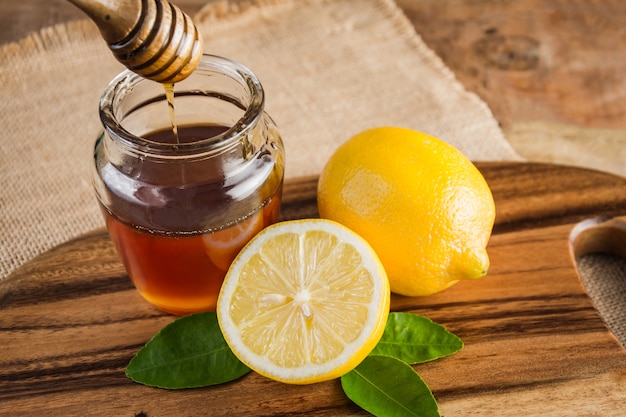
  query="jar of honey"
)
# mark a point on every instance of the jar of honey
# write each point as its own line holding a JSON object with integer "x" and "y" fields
{"x": 184, "y": 184}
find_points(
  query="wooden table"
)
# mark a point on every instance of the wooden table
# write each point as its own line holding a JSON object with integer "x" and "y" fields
{"x": 552, "y": 71}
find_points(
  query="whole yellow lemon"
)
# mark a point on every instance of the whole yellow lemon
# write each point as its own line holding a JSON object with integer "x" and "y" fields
{"x": 420, "y": 203}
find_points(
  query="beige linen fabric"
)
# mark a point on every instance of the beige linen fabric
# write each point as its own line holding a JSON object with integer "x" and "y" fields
{"x": 329, "y": 68}
{"x": 604, "y": 278}
{"x": 334, "y": 68}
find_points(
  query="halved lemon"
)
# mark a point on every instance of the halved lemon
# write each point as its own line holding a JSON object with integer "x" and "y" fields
{"x": 304, "y": 301}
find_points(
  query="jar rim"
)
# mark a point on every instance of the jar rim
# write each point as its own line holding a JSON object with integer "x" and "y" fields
{"x": 124, "y": 82}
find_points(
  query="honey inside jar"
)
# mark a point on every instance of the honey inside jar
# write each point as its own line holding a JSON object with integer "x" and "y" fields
{"x": 182, "y": 272}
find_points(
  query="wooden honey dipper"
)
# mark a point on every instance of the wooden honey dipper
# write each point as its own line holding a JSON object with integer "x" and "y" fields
{"x": 152, "y": 38}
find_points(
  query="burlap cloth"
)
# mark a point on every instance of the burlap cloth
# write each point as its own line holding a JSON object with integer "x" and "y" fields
{"x": 330, "y": 69}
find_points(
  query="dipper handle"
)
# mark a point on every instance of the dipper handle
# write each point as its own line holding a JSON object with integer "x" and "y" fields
{"x": 153, "y": 38}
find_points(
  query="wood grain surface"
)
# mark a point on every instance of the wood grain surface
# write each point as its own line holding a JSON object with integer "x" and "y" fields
{"x": 550, "y": 71}
{"x": 70, "y": 321}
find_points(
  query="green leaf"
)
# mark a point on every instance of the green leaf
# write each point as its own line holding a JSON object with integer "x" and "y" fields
{"x": 415, "y": 339}
{"x": 188, "y": 353}
{"x": 388, "y": 387}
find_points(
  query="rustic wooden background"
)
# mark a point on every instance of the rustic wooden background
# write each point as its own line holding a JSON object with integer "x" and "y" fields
{"x": 552, "y": 71}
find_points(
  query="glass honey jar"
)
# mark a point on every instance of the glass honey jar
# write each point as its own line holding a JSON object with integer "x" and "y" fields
{"x": 179, "y": 206}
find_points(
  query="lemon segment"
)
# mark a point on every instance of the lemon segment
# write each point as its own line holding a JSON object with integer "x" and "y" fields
{"x": 305, "y": 301}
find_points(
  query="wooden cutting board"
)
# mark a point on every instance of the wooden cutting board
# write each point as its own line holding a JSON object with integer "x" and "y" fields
{"x": 70, "y": 321}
